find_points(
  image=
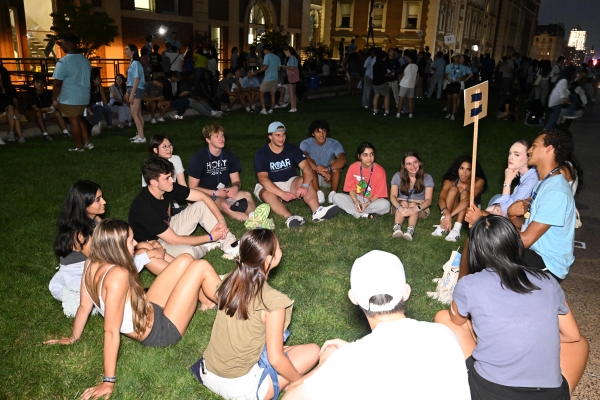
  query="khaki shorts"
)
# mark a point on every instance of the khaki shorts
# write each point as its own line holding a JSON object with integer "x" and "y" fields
{"x": 70, "y": 111}
{"x": 269, "y": 86}
{"x": 285, "y": 186}
{"x": 422, "y": 214}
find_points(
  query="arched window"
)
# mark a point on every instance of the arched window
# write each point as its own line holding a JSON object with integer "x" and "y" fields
{"x": 256, "y": 22}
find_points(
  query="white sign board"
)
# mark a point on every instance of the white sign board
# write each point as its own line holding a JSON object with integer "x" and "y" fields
{"x": 449, "y": 39}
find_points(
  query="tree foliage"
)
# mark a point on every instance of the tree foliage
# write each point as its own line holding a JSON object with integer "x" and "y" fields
{"x": 276, "y": 37}
{"x": 95, "y": 29}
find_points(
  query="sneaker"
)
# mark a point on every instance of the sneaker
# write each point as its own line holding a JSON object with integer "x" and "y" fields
{"x": 278, "y": 106}
{"x": 152, "y": 121}
{"x": 284, "y": 105}
{"x": 160, "y": 119}
{"x": 67, "y": 135}
{"x": 97, "y": 129}
{"x": 173, "y": 115}
{"x": 10, "y": 137}
{"x": 133, "y": 138}
{"x": 324, "y": 213}
{"x": 293, "y": 110}
{"x": 258, "y": 217}
{"x": 129, "y": 124}
{"x": 139, "y": 140}
{"x": 76, "y": 149}
{"x": 230, "y": 246}
{"x": 120, "y": 125}
{"x": 47, "y": 138}
{"x": 397, "y": 231}
{"x": 294, "y": 221}
{"x": 179, "y": 117}
{"x": 263, "y": 111}
{"x": 397, "y": 115}
{"x": 410, "y": 232}
{"x": 438, "y": 231}
{"x": 89, "y": 146}
{"x": 216, "y": 114}
{"x": 452, "y": 118}
{"x": 409, "y": 115}
{"x": 2, "y": 142}
{"x": 448, "y": 115}
{"x": 453, "y": 236}
{"x": 22, "y": 140}
{"x": 445, "y": 109}
{"x": 385, "y": 114}
{"x": 268, "y": 224}
{"x": 271, "y": 111}
{"x": 321, "y": 196}
{"x": 330, "y": 197}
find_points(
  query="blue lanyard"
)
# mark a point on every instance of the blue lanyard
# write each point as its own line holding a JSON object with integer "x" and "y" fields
{"x": 368, "y": 183}
{"x": 534, "y": 195}
{"x": 218, "y": 165}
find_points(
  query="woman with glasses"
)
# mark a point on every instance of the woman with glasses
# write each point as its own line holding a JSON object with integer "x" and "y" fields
{"x": 161, "y": 147}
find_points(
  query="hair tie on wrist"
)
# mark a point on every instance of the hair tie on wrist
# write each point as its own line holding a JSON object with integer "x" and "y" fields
{"x": 210, "y": 237}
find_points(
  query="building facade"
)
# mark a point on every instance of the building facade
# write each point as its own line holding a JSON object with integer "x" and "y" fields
{"x": 548, "y": 42}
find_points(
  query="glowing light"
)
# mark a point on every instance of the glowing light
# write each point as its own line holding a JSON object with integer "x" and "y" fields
{"x": 475, "y": 47}
{"x": 162, "y": 30}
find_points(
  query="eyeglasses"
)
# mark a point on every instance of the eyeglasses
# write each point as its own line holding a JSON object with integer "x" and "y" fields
{"x": 167, "y": 147}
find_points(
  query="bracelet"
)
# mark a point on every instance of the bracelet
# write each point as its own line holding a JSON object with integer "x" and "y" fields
{"x": 329, "y": 168}
{"x": 445, "y": 208}
{"x": 210, "y": 237}
{"x": 506, "y": 184}
{"x": 398, "y": 206}
{"x": 214, "y": 193}
{"x": 109, "y": 379}
{"x": 305, "y": 185}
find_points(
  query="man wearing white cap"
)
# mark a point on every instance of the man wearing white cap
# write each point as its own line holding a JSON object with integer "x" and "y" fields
{"x": 400, "y": 359}
{"x": 275, "y": 165}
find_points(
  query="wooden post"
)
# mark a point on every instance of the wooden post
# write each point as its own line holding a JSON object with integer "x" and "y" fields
{"x": 474, "y": 157}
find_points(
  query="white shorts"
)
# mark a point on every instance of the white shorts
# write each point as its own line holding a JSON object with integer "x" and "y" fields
{"x": 285, "y": 186}
{"x": 242, "y": 388}
{"x": 407, "y": 92}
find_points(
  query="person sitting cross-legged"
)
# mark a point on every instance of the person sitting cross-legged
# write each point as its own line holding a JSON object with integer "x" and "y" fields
{"x": 275, "y": 165}
{"x": 326, "y": 158}
{"x": 401, "y": 358}
{"x": 229, "y": 93}
{"x": 151, "y": 219}
{"x": 155, "y": 99}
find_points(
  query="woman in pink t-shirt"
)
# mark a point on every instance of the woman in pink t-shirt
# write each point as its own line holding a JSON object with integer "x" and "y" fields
{"x": 366, "y": 185}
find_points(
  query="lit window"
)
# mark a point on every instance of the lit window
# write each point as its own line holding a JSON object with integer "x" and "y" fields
{"x": 345, "y": 13}
{"x": 142, "y": 5}
{"x": 412, "y": 15}
{"x": 378, "y": 15}
{"x": 442, "y": 15}
{"x": 256, "y": 22}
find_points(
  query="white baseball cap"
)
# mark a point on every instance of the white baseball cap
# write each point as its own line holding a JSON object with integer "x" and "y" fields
{"x": 276, "y": 126}
{"x": 375, "y": 273}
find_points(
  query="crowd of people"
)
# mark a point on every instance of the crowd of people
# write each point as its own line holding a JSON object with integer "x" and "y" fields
{"x": 519, "y": 250}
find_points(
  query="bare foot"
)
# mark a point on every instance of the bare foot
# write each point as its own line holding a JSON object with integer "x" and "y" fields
{"x": 206, "y": 307}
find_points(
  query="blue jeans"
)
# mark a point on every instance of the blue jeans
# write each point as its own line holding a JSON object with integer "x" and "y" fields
{"x": 100, "y": 111}
{"x": 557, "y": 110}
{"x": 180, "y": 105}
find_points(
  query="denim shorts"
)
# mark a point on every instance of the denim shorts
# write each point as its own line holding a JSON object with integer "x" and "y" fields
{"x": 139, "y": 93}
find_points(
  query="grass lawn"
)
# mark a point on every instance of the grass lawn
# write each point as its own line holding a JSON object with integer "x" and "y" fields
{"x": 316, "y": 257}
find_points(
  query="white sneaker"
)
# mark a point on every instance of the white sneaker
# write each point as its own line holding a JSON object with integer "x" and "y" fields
{"x": 22, "y": 140}
{"x": 160, "y": 119}
{"x": 10, "y": 137}
{"x": 397, "y": 231}
{"x": 96, "y": 129}
{"x": 409, "y": 115}
{"x": 294, "y": 221}
{"x": 293, "y": 110}
{"x": 230, "y": 247}
{"x": 445, "y": 109}
{"x": 2, "y": 142}
{"x": 330, "y": 197}
{"x": 152, "y": 121}
{"x": 408, "y": 235}
{"x": 173, "y": 115}
{"x": 120, "y": 125}
{"x": 216, "y": 114}
{"x": 321, "y": 196}
{"x": 448, "y": 115}
{"x": 284, "y": 105}
{"x": 324, "y": 213}
{"x": 278, "y": 106}
{"x": 263, "y": 111}
{"x": 438, "y": 231}
{"x": 139, "y": 140}
{"x": 271, "y": 111}
{"x": 133, "y": 138}
{"x": 397, "y": 115}
{"x": 89, "y": 146}
{"x": 452, "y": 118}
{"x": 453, "y": 236}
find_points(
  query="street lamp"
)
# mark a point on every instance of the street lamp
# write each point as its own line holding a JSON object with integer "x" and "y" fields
{"x": 162, "y": 30}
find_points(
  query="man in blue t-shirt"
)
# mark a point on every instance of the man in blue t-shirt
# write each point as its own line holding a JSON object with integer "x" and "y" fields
{"x": 271, "y": 66}
{"x": 275, "y": 165}
{"x": 216, "y": 171}
{"x": 326, "y": 158}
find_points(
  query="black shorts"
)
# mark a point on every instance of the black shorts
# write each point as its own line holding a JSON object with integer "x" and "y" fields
{"x": 534, "y": 260}
{"x": 482, "y": 389}
{"x": 453, "y": 88}
{"x": 224, "y": 98}
{"x": 163, "y": 333}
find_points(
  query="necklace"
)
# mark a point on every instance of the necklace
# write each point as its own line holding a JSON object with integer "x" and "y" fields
{"x": 535, "y": 193}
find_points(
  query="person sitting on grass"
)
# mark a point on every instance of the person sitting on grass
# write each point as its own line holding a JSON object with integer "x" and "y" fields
{"x": 406, "y": 358}
{"x": 251, "y": 85}
{"x": 326, "y": 158}
{"x": 39, "y": 108}
{"x": 154, "y": 98}
{"x": 229, "y": 93}
{"x": 508, "y": 109}
{"x": 215, "y": 170}
{"x": 9, "y": 103}
{"x": 455, "y": 195}
{"x": 246, "y": 357}
{"x": 366, "y": 185}
{"x": 518, "y": 157}
{"x": 411, "y": 195}
{"x": 512, "y": 321}
{"x": 275, "y": 166}
{"x": 157, "y": 318}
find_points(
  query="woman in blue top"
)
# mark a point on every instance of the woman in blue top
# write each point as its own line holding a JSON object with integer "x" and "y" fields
{"x": 135, "y": 91}
{"x": 291, "y": 67}
{"x": 521, "y": 340}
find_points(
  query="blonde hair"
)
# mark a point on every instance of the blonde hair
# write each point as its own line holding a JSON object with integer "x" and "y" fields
{"x": 211, "y": 128}
{"x": 109, "y": 245}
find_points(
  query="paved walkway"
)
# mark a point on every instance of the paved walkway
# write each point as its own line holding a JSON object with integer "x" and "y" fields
{"x": 582, "y": 285}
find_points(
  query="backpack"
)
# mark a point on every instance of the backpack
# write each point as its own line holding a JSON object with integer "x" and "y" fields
{"x": 445, "y": 285}
{"x": 535, "y": 114}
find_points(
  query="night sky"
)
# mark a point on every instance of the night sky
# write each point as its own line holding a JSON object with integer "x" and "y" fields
{"x": 572, "y": 13}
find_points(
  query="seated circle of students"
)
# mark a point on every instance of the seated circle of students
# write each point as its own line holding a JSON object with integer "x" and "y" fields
{"x": 151, "y": 218}
{"x": 455, "y": 194}
{"x": 215, "y": 170}
{"x": 411, "y": 195}
{"x": 172, "y": 92}
{"x": 400, "y": 358}
{"x": 156, "y": 318}
{"x": 366, "y": 185}
{"x": 39, "y": 108}
{"x": 117, "y": 102}
{"x": 246, "y": 357}
{"x": 515, "y": 328}
{"x": 518, "y": 157}
{"x": 546, "y": 219}
{"x": 154, "y": 98}
{"x": 275, "y": 166}
{"x": 326, "y": 157}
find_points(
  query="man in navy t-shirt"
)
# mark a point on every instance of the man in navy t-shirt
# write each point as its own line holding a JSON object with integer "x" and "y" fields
{"x": 275, "y": 165}
{"x": 213, "y": 168}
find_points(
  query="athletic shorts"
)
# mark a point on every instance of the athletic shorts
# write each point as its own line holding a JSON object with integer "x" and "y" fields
{"x": 242, "y": 388}
{"x": 382, "y": 90}
{"x": 269, "y": 86}
{"x": 163, "y": 333}
{"x": 534, "y": 260}
{"x": 285, "y": 186}
{"x": 453, "y": 88}
{"x": 71, "y": 111}
{"x": 407, "y": 92}
{"x": 224, "y": 98}
{"x": 139, "y": 93}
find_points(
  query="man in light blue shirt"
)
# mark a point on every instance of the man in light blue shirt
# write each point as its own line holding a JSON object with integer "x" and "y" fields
{"x": 368, "y": 79}
{"x": 437, "y": 78}
{"x": 271, "y": 66}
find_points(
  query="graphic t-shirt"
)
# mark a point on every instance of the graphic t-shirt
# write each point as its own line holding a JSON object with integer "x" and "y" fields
{"x": 149, "y": 216}
{"x": 212, "y": 170}
{"x": 367, "y": 184}
{"x": 427, "y": 181}
{"x": 455, "y": 72}
{"x": 322, "y": 155}
{"x": 280, "y": 167}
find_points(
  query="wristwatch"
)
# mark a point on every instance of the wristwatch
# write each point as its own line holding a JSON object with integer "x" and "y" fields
{"x": 419, "y": 207}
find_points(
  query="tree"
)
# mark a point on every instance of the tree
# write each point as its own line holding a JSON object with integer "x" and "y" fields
{"x": 276, "y": 38}
{"x": 94, "y": 29}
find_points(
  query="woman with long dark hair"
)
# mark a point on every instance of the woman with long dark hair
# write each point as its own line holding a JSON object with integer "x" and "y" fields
{"x": 247, "y": 341}
{"x": 521, "y": 333}
{"x": 98, "y": 103}
{"x": 291, "y": 65}
{"x": 157, "y": 318}
{"x": 135, "y": 91}
{"x": 455, "y": 195}
{"x": 117, "y": 101}
{"x": 411, "y": 195}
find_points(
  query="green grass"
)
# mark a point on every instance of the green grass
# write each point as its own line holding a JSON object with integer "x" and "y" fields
{"x": 316, "y": 258}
